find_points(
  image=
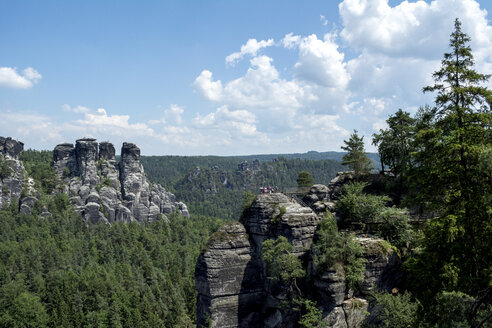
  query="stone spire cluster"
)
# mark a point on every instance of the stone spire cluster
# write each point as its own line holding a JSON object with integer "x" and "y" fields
{"x": 103, "y": 190}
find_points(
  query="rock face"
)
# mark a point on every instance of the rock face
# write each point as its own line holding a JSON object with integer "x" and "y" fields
{"x": 14, "y": 183}
{"x": 343, "y": 308}
{"x": 230, "y": 276}
{"x": 318, "y": 198}
{"x": 104, "y": 191}
{"x": 229, "y": 280}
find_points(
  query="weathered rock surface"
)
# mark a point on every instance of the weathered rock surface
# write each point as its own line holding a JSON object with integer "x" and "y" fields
{"x": 104, "y": 191}
{"x": 229, "y": 280}
{"x": 233, "y": 290}
{"x": 14, "y": 182}
{"x": 230, "y": 275}
{"x": 318, "y": 199}
{"x": 273, "y": 215}
{"x": 382, "y": 266}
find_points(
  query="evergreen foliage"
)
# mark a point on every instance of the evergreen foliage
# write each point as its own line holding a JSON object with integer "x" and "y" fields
{"x": 394, "y": 226}
{"x": 354, "y": 205}
{"x": 395, "y": 143}
{"x": 5, "y": 170}
{"x": 304, "y": 179}
{"x": 356, "y": 158}
{"x": 393, "y": 311}
{"x": 340, "y": 251}
{"x": 311, "y": 316}
{"x": 450, "y": 141}
{"x": 38, "y": 166}
{"x": 60, "y": 272}
{"x": 282, "y": 266}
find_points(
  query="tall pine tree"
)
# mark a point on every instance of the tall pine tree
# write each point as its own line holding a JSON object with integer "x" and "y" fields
{"x": 450, "y": 140}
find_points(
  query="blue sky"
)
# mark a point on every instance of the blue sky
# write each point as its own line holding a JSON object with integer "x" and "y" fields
{"x": 222, "y": 77}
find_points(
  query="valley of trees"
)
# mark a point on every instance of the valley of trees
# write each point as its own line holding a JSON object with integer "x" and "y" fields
{"x": 214, "y": 186}
{"x": 58, "y": 271}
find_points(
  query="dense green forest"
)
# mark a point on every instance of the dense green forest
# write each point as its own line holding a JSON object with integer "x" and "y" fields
{"x": 168, "y": 170}
{"x": 61, "y": 272}
{"x": 214, "y": 186}
{"x": 58, "y": 271}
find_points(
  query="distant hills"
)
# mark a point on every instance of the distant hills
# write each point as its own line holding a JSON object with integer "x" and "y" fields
{"x": 215, "y": 185}
{"x": 312, "y": 155}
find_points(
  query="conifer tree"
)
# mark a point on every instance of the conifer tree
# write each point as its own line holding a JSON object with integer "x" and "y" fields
{"x": 304, "y": 179}
{"x": 450, "y": 141}
{"x": 356, "y": 157}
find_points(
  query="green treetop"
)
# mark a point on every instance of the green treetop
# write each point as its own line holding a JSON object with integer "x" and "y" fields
{"x": 305, "y": 179}
{"x": 394, "y": 143}
{"x": 356, "y": 158}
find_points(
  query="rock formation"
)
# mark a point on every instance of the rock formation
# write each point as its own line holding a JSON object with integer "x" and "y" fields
{"x": 230, "y": 275}
{"x": 14, "y": 182}
{"x": 233, "y": 290}
{"x": 104, "y": 191}
{"x": 229, "y": 280}
{"x": 345, "y": 308}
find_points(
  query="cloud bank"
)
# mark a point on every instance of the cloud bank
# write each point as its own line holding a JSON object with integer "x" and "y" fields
{"x": 374, "y": 62}
{"x": 10, "y": 78}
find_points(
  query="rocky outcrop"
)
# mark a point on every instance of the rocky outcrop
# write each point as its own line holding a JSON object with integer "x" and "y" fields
{"x": 345, "y": 308}
{"x": 229, "y": 280}
{"x": 273, "y": 215}
{"x": 14, "y": 182}
{"x": 382, "y": 266}
{"x": 233, "y": 290}
{"x": 245, "y": 166}
{"x": 104, "y": 191}
{"x": 230, "y": 275}
{"x": 318, "y": 198}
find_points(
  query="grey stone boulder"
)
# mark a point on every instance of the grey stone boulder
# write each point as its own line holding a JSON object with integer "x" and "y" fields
{"x": 106, "y": 151}
{"x": 330, "y": 286}
{"x": 93, "y": 197}
{"x": 86, "y": 154}
{"x": 64, "y": 160}
{"x": 335, "y": 318}
{"x": 26, "y": 204}
{"x": 273, "y": 215}
{"x": 92, "y": 213}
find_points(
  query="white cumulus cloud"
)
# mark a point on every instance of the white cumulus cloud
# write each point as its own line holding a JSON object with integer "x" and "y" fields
{"x": 207, "y": 88}
{"x": 291, "y": 41}
{"x": 10, "y": 78}
{"x": 321, "y": 62}
{"x": 238, "y": 122}
{"x": 260, "y": 87}
{"x": 410, "y": 29}
{"x": 251, "y": 47}
{"x": 100, "y": 121}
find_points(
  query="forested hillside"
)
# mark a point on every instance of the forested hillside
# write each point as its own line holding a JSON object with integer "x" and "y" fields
{"x": 215, "y": 186}
{"x": 57, "y": 270}
{"x": 168, "y": 170}
{"x": 61, "y": 272}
